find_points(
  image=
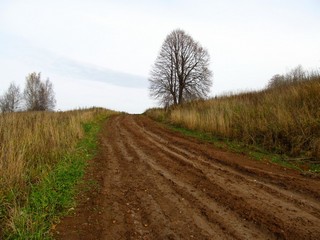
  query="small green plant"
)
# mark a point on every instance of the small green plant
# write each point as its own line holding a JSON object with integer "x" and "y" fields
{"x": 315, "y": 167}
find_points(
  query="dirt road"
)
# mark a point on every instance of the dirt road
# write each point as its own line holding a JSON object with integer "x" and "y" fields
{"x": 157, "y": 184}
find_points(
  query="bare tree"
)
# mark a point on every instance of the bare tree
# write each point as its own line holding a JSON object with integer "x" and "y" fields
{"x": 47, "y": 96}
{"x": 38, "y": 95}
{"x": 295, "y": 75}
{"x": 277, "y": 81}
{"x": 181, "y": 71}
{"x": 10, "y": 101}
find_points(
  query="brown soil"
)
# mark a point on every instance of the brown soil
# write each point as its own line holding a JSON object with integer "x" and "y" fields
{"x": 158, "y": 184}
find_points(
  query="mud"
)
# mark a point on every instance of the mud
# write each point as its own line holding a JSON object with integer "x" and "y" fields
{"x": 152, "y": 183}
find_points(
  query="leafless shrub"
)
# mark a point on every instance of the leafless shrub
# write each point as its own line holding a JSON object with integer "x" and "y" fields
{"x": 294, "y": 76}
{"x": 11, "y": 100}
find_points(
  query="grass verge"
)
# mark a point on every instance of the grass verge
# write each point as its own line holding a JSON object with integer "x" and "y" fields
{"x": 255, "y": 152}
{"x": 54, "y": 196}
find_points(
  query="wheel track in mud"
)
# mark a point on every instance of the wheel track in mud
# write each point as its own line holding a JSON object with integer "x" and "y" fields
{"x": 157, "y": 184}
{"x": 223, "y": 171}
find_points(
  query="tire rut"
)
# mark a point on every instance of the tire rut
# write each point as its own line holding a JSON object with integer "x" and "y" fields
{"x": 276, "y": 214}
{"x": 158, "y": 189}
{"x": 229, "y": 223}
{"x": 197, "y": 161}
{"x": 269, "y": 173}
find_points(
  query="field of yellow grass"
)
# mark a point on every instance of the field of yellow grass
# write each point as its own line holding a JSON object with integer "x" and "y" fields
{"x": 31, "y": 143}
{"x": 283, "y": 119}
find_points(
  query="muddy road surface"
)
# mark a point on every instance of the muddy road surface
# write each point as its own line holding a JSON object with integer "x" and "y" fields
{"x": 151, "y": 183}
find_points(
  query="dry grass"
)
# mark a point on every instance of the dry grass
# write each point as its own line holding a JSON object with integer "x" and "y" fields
{"x": 284, "y": 119}
{"x": 30, "y": 145}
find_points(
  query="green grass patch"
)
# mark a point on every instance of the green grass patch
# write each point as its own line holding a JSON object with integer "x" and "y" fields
{"x": 315, "y": 168}
{"x": 54, "y": 195}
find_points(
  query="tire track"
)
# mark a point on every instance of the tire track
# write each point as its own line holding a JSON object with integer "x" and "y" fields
{"x": 161, "y": 208}
{"x": 292, "y": 218}
{"x": 285, "y": 178}
{"x": 228, "y": 222}
{"x": 300, "y": 201}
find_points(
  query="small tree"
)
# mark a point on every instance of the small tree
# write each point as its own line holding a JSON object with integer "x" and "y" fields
{"x": 277, "y": 81}
{"x": 295, "y": 75}
{"x": 47, "y": 96}
{"x": 181, "y": 71}
{"x": 38, "y": 95}
{"x": 10, "y": 101}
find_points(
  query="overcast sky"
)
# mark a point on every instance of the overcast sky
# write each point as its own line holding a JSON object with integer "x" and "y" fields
{"x": 100, "y": 53}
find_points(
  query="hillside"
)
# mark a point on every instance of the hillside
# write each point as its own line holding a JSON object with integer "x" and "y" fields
{"x": 284, "y": 118}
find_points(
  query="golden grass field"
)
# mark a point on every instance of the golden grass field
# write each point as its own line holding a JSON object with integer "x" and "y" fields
{"x": 31, "y": 143}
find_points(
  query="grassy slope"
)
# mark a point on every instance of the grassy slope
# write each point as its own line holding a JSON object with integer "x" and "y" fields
{"x": 284, "y": 121}
{"x": 47, "y": 191}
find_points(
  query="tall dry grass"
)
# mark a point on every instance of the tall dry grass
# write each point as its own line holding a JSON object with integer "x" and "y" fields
{"x": 30, "y": 145}
{"x": 285, "y": 119}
